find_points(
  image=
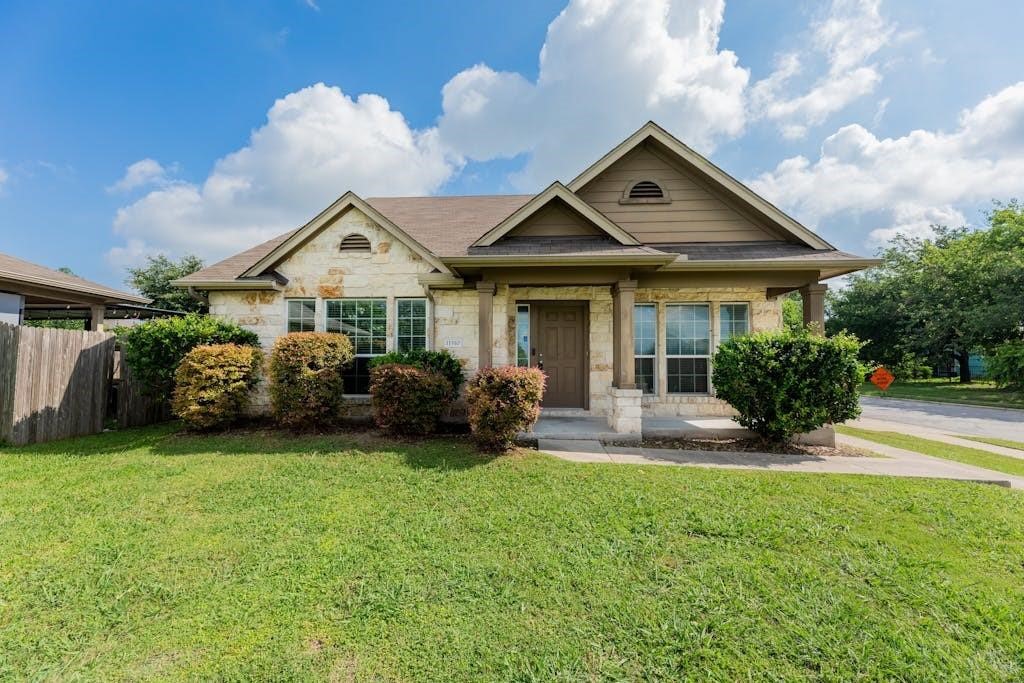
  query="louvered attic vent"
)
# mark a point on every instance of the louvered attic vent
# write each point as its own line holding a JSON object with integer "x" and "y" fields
{"x": 646, "y": 189}
{"x": 355, "y": 242}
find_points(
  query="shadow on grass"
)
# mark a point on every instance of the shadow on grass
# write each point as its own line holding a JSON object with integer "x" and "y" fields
{"x": 440, "y": 452}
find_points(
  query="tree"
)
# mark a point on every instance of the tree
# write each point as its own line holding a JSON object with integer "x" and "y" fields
{"x": 154, "y": 281}
{"x": 793, "y": 312}
{"x": 959, "y": 291}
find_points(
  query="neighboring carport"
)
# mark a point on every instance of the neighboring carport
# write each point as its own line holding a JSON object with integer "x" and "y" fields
{"x": 27, "y": 289}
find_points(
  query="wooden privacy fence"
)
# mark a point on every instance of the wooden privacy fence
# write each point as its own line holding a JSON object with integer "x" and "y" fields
{"x": 57, "y": 383}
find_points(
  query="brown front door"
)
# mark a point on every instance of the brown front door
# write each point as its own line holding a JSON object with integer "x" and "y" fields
{"x": 562, "y": 353}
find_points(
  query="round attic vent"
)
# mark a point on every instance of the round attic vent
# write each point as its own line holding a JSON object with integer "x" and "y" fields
{"x": 646, "y": 189}
{"x": 355, "y": 242}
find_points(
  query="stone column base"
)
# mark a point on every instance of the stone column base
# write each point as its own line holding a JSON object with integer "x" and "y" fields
{"x": 624, "y": 416}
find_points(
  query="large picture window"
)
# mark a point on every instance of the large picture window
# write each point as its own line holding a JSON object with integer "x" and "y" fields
{"x": 365, "y": 323}
{"x": 301, "y": 315}
{"x": 687, "y": 347}
{"x": 645, "y": 345}
{"x": 411, "y": 322}
{"x": 733, "y": 320}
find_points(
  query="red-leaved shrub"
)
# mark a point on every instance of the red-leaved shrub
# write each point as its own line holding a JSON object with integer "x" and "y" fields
{"x": 502, "y": 402}
{"x": 408, "y": 400}
{"x": 305, "y": 377}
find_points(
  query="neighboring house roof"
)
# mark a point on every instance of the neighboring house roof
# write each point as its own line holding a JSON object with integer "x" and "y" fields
{"x": 24, "y": 277}
{"x": 451, "y": 232}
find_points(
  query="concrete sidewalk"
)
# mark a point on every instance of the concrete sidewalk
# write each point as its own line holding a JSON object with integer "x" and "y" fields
{"x": 945, "y": 436}
{"x": 896, "y": 463}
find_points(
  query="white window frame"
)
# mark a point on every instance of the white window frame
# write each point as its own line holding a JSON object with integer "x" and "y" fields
{"x": 653, "y": 356}
{"x": 721, "y": 335}
{"x": 427, "y": 327}
{"x": 706, "y": 357}
{"x": 529, "y": 334}
{"x": 287, "y": 312}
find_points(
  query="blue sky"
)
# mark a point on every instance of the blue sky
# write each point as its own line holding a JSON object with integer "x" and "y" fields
{"x": 815, "y": 104}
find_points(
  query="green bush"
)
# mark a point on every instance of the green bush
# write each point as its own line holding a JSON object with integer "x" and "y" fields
{"x": 214, "y": 382}
{"x": 305, "y": 377}
{"x": 408, "y": 400}
{"x": 911, "y": 367}
{"x": 154, "y": 349}
{"x": 787, "y": 383}
{"x": 502, "y": 402}
{"x": 440, "y": 362}
{"x": 1005, "y": 365}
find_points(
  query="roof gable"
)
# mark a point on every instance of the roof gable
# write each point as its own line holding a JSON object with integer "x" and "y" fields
{"x": 344, "y": 203}
{"x": 556, "y": 192}
{"x": 714, "y": 176}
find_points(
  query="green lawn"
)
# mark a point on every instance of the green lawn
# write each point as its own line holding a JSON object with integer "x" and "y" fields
{"x": 146, "y": 554}
{"x": 1005, "y": 443}
{"x": 979, "y": 392}
{"x": 938, "y": 449}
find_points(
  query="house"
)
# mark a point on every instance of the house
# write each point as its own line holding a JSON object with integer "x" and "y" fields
{"x": 619, "y": 284}
{"x": 31, "y": 291}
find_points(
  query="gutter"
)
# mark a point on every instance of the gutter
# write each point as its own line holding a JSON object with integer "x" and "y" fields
{"x": 775, "y": 264}
{"x": 556, "y": 260}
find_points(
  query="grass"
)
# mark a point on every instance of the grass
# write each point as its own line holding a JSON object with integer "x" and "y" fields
{"x": 1005, "y": 443}
{"x": 969, "y": 456}
{"x": 979, "y": 392}
{"x": 151, "y": 555}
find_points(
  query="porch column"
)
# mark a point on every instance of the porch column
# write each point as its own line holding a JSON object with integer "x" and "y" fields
{"x": 814, "y": 306}
{"x": 485, "y": 333}
{"x": 96, "y": 317}
{"x": 623, "y": 298}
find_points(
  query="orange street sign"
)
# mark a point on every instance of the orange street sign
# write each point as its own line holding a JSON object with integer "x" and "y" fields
{"x": 882, "y": 378}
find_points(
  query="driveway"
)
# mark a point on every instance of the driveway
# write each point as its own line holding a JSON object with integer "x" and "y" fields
{"x": 951, "y": 419}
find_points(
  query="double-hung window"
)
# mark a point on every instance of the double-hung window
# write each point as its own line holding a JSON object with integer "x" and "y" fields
{"x": 411, "y": 324}
{"x": 365, "y": 321}
{"x": 687, "y": 347}
{"x": 645, "y": 346}
{"x": 733, "y": 320}
{"x": 301, "y": 315}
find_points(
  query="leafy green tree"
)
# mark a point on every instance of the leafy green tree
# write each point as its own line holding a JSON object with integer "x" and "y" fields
{"x": 793, "y": 312}
{"x": 948, "y": 295}
{"x": 154, "y": 281}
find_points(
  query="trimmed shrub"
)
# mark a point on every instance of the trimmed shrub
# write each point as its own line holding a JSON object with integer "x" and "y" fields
{"x": 408, "y": 400}
{"x": 1005, "y": 365}
{"x": 154, "y": 349}
{"x": 787, "y": 383}
{"x": 305, "y": 377}
{"x": 214, "y": 382}
{"x": 441, "y": 362}
{"x": 502, "y": 402}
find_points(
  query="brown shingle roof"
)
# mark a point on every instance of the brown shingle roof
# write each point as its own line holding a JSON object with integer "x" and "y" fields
{"x": 561, "y": 246}
{"x": 18, "y": 270}
{"x": 753, "y": 251}
{"x": 444, "y": 225}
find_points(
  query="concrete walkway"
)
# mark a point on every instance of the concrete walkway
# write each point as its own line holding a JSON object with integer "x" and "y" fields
{"x": 1001, "y": 423}
{"x": 896, "y": 463}
{"x": 943, "y": 435}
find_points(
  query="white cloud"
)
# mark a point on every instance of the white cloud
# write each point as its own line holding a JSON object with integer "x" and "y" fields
{"x": 847, "y": 37}
{"x": 141, "y": 173}
{"x": 912, "y": 181}
{"x": 316, "y": 144}
{"x": 606, "y": 67}
{"x": 3, "y": 177}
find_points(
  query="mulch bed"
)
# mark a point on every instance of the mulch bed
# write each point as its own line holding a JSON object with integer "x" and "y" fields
{"x": 747, "y": 446}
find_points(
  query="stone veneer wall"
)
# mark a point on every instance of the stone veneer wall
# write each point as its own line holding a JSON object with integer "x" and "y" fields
{"x": 318, "y": 270}
{"x": 765, "y": 315}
